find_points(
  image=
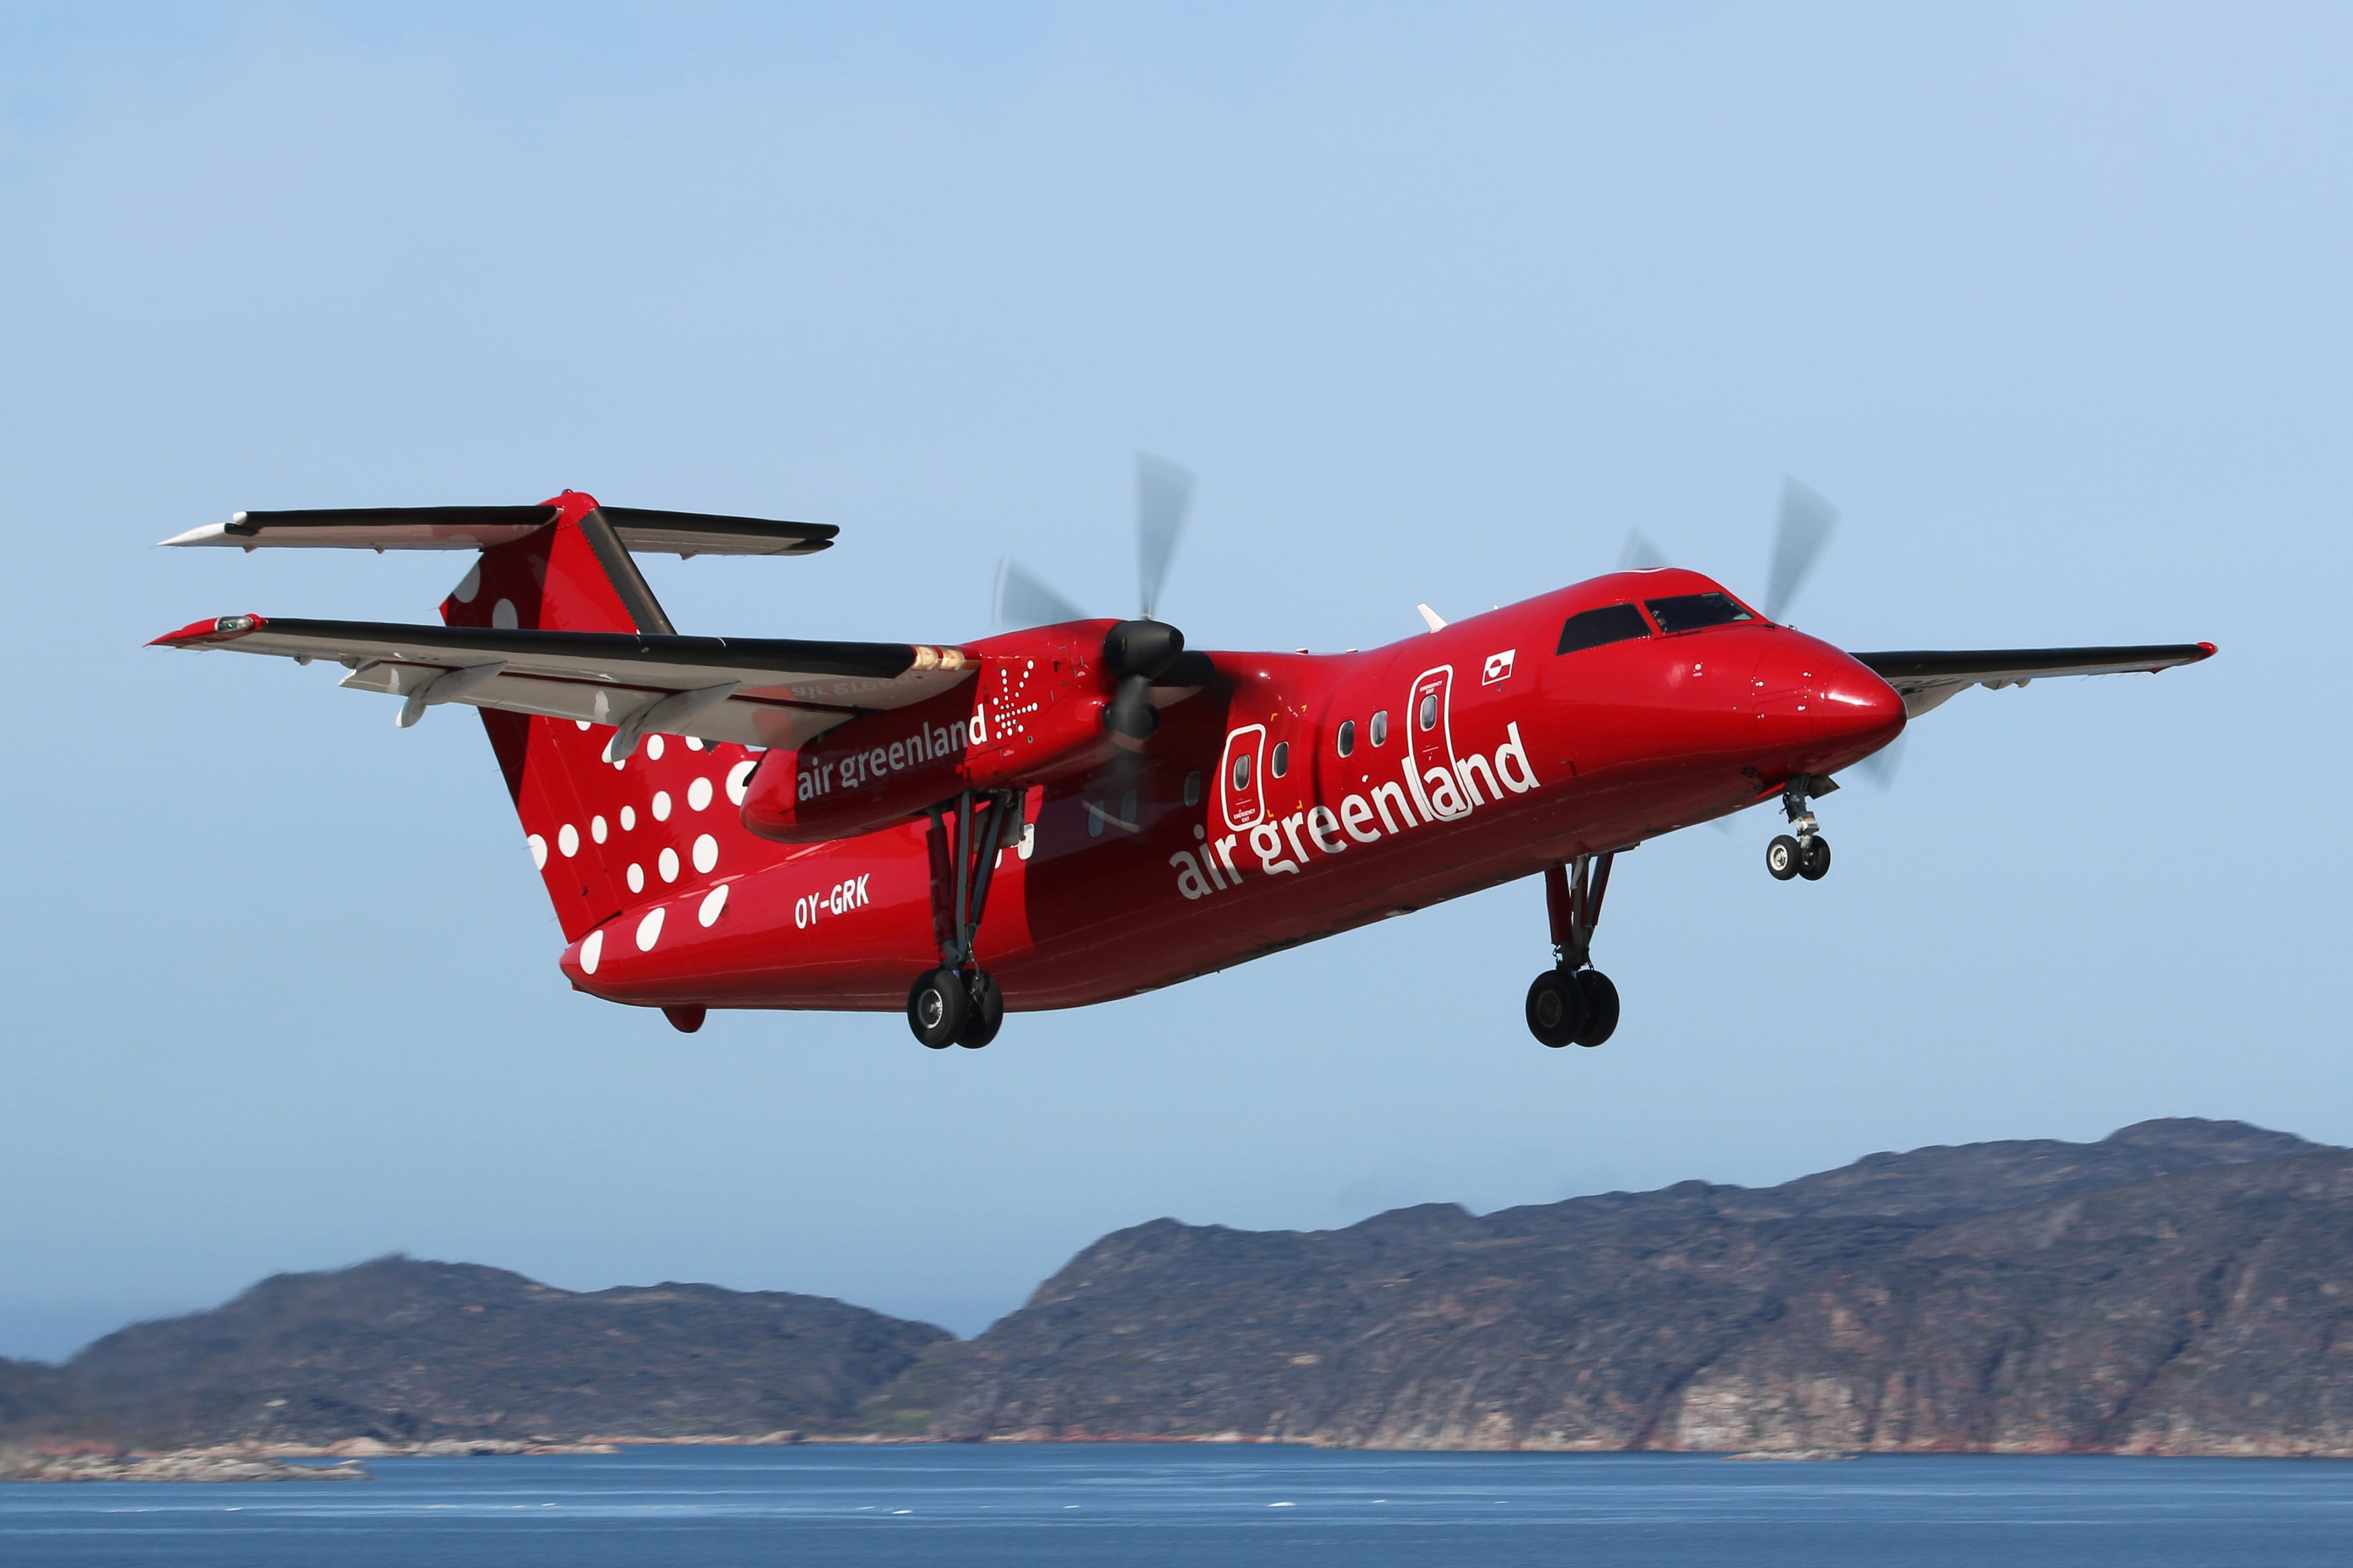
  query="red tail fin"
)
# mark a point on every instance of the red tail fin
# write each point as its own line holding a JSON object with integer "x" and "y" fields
{"x": 605, "y": 836}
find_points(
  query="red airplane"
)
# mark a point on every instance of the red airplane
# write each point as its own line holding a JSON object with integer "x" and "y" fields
{"x": 1089, "y": 806}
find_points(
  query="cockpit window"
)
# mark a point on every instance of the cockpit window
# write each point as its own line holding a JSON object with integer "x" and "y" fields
{"x": 1618, "y": 622}
{"x": 1689, "y": 612}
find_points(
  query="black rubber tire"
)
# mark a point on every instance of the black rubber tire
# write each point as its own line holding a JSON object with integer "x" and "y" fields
{"x": 1600, "y": 1007}
{"x": 1781, "y": 857}
{"x": 938, "y": 1007}
{"x": 1814, "y": 860}
{"x": 988, "y": 1014}
{"x": 1556, "y": 1009}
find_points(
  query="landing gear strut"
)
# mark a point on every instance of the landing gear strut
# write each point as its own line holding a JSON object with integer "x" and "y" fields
{"x": 957, "y": 1003}
{"x": 1573, "y": 1003}
{"x": 1802, "y": 851}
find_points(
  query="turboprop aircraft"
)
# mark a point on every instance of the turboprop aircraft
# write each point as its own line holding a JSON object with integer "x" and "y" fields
{"x": 1084, "y": 809}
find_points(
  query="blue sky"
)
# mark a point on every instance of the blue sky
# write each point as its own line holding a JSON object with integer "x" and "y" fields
{"x": 1440, "y": 303}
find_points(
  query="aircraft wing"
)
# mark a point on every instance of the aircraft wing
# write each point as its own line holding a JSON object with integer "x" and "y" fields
{"x": 1925, "y": 678}
{"x": 757, "y": 691}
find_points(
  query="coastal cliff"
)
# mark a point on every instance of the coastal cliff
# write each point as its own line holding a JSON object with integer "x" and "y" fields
{"x": 2181, "y": 1287}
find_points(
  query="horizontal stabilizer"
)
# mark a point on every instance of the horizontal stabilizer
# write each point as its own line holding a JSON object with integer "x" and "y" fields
{"x": 1926, "y": 678}
{"x": 641, "y": 528}
{"x": 755, "y": 692}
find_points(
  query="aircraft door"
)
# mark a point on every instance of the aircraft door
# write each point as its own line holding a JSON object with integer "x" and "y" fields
{"x": 1239, "y": 783}
{"x": 1429, "y": 721}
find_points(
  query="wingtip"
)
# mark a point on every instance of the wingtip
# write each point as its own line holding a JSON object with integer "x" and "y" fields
{"x": 217, "y": 628}
{"x": 210, "y": 533}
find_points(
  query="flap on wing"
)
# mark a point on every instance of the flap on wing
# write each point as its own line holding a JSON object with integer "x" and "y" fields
{"x": 482, "y": 527}
{"x": 757, "y": 691}
{"x": 1926, "y": 678}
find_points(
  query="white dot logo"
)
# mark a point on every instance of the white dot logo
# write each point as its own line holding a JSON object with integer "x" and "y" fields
{"x": 661, "y": 806}
{"x": 592, "y": 952}
{"x": 669, "y": 864}
{"x": 654, "y": 747}
{"x": 628, "y": 818}
{"x": 468, "y": 586}
{"x": 649, "y": 929}
{"x": 596, "y": 829}
{"x": 637, "y": 878}
{"x": 712, "y": 902}
{"x": 698, "y": 794}
{"x": 503, "y": 615}
{"x": 706, "y": 853}
{"x": 567, "y": 838}
{"x": 538, "y": 851}
{"x": 738, "y": 781}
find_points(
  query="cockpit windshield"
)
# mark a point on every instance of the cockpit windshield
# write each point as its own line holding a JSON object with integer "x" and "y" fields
{"x": 1690, "y": 612}
{"x": 1617, "y": 623}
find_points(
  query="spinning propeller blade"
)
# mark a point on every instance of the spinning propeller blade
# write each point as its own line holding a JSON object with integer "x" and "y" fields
{"x": 1641, "y": 553}
{"x": 1164, "y": 493}
{"x": 1807, "y": 521}
{"x": 1024, "y": 600}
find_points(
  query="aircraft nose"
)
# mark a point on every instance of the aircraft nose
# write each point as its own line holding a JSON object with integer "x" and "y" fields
{"x": 1822, "y": 708}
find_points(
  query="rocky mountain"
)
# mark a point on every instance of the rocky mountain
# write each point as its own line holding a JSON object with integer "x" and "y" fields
{"x": 2178, "y": 1286}
{"x": 403, "y": 1350}
{"x": 2181, "y": 1287}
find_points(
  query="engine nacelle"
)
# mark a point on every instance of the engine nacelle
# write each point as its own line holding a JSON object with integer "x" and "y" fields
{"x": 1028, "y": 716}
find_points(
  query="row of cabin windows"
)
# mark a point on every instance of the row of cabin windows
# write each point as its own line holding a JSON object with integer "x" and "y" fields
{"x": 1624, "y": 622}
{"x": 1278, "y": 762}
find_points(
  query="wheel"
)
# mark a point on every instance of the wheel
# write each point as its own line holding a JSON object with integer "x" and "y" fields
{"x": 987, "y": 1015}
{"x": 1600, "y": 1007}
{"x": 1814, "y": 860}
{"x": 1781, "y": 857}
{"x": 937, "y": 1007}
{"x": 1556, "y": 1009}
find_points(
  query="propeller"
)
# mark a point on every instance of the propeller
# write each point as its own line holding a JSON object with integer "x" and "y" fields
{"x": 1141, "y": 652}
{"x": 1805, "y": 528}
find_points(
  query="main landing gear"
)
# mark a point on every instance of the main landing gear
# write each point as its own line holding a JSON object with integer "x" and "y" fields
{"x": 1574, "y": 1004}
{"x": 1802, "y": 851}
{"x": 957, "y": 1003}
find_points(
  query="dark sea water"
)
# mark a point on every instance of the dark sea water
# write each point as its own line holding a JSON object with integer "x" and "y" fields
{"x": 679, "y": 1508}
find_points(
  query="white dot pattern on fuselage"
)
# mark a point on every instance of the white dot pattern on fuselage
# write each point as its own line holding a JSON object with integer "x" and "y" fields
{"x": 669, "y": 864}
{"x": 712, "y": 902}
{"x": 661, "y": 806}
{"x": 592, "y": 952}
{"x": 567, "y": 838}
{"x": 649, "y": 929}
{"x": 697, "y": 795}
{"x": 706, "y": 853}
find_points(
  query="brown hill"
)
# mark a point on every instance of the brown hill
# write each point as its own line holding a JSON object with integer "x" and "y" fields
{"x": 2181, "y": 1287}
{"x": 405, "y": 1351}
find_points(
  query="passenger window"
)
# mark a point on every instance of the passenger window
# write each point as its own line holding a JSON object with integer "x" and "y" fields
{"x": 1381, "y": 728}
{"x": 1280, "y": 763}
{"x": 1618, "y": 622}
{"x": 1347, "y": 736}
{"x": 1690, "y": 612}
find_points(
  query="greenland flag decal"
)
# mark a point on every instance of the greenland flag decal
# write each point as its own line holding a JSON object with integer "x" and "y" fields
{"x": 1499, "y": 666}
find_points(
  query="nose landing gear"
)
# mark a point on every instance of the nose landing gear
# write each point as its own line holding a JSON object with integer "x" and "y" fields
{"x": 1802, "y": 851}
{"x": 958, "y": 1003}
{"x": 1574, "y": 1004}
